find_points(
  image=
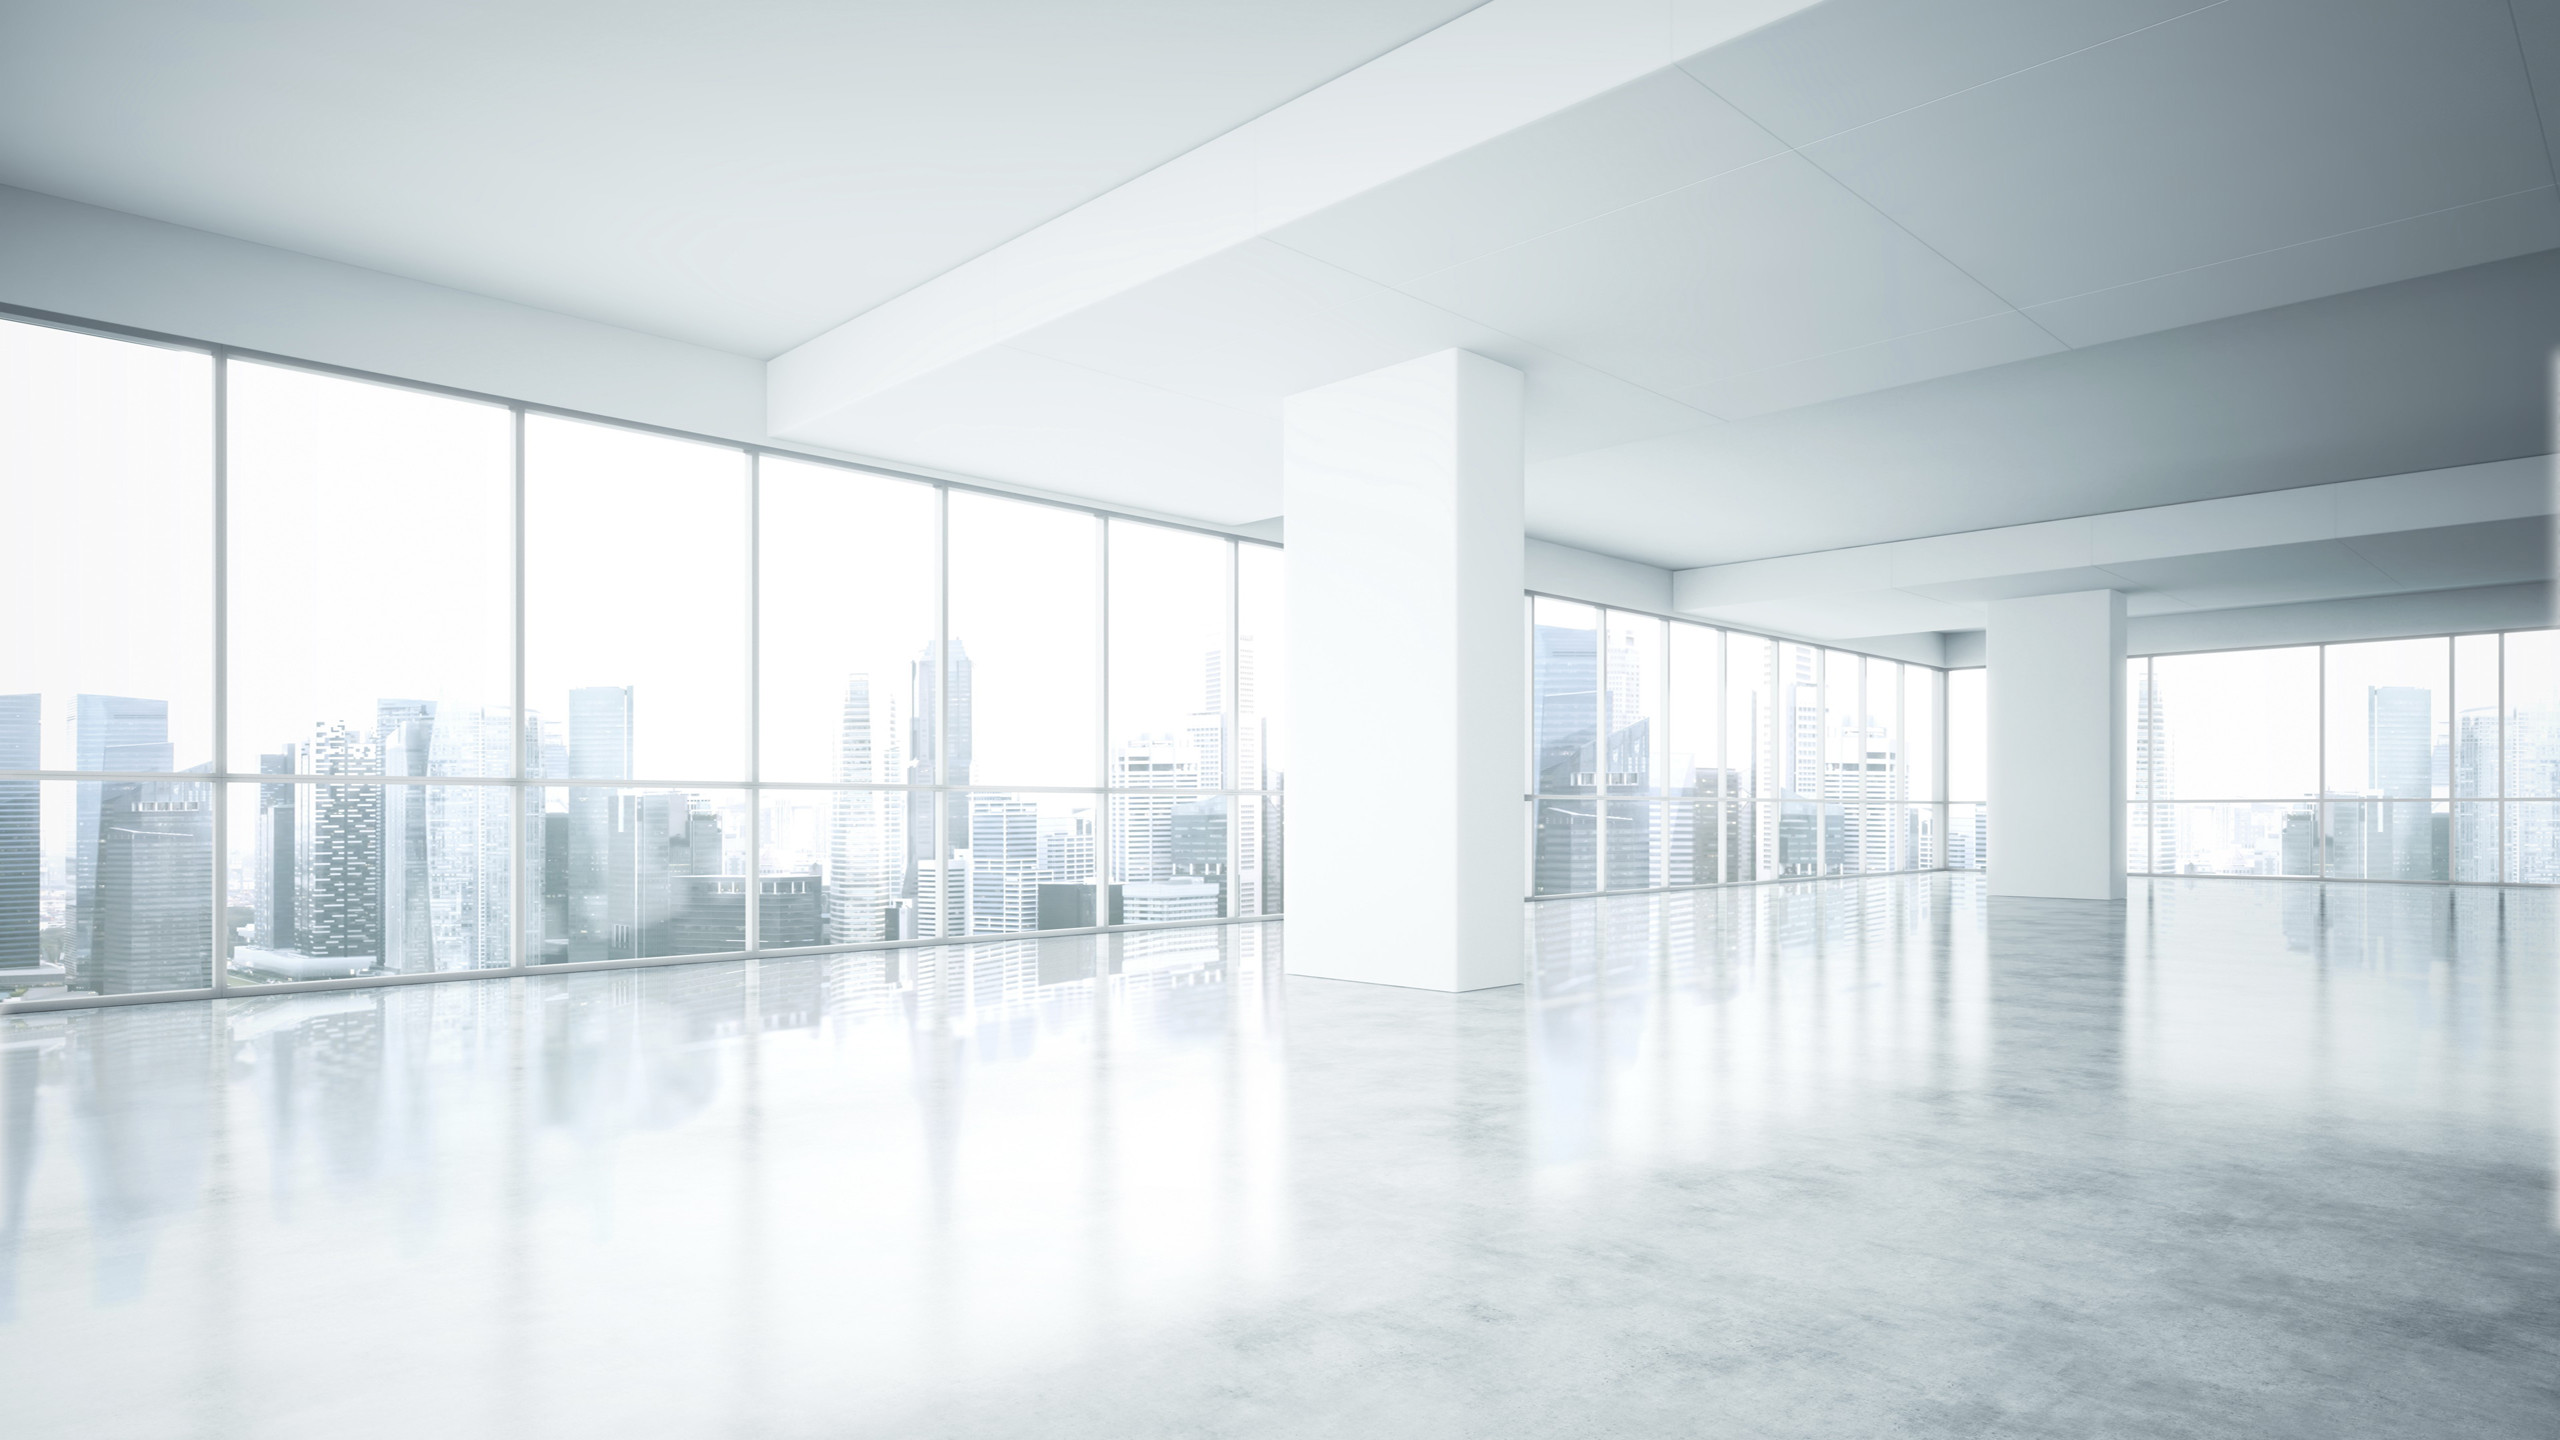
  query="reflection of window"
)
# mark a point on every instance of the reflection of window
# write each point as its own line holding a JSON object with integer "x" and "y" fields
{"x": 506, "y": 688}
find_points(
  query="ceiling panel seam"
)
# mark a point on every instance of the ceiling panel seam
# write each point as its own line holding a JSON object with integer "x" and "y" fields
{"x": 2515, "y": 27}
{"x": 2293, "y": 245}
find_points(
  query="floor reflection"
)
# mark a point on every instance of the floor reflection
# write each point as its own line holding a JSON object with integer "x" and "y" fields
{"x": 1839, "y": 1157}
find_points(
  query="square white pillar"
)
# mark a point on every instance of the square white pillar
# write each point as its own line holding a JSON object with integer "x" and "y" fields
{"x": 2057, "y": 737}
{"x": 1406, "y": 675}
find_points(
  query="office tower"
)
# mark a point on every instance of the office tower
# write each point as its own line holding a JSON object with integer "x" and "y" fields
{"x": 469, "y": 878}
{"x": 338, "y": 848}
{"x": 2399, "y": 740}
{"x": 926, "y": 738}
{"x": 2155, "y": 775}
{"x": 867, "y": 851}
{"x": 650, "y": 844}
{"x": 21, "y": 838}
{"x": 108, "y": 732}
{"x": 1154, "y": 901}
{"x": 1142, "y": 822}
{"x": 941, "y": 905}
{"x": 154, "y": 919}
{"x": 1564, "y": 748}
{"x": 2299, "y": 849}
{"x": 1004, "y": 865}
{"x": 600, "y": 720}
{"x": 405, "y": 729}
{"x": 276, "y": 867}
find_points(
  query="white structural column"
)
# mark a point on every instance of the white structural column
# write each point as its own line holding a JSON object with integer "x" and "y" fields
{"x": 1406, "y": 677}
{"x": 2057, "y": 742}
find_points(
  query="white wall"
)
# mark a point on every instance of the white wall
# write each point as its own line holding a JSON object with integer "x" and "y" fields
{"x": 2057, "y": 733}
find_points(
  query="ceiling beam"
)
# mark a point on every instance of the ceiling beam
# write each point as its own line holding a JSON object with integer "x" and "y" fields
{"x": 1498, "y": 67}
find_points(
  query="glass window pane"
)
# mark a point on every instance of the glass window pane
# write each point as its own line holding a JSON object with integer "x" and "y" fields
{"x": 1634, "y": 848}
{"x": 2475, "y": 715}
{"x": 635, "y": 602}
{"x": 630, "y": 873}
{"x": 1021, "y": 676}
{"x": 1565, "y": 847}
{"x": 2388, "y": 840}
{"x": 1634, "y": 702}
{"x": 1926, "y": 824}
{"x": 1691, "y": 750}
{"x": 1262, "y": 670}
{"x": 106, "y": 454}
{"x": 2385, "y": 712}
{"x": 371, "y": 567}
{"x": 2533, "y": 842}
{"x": 1169, "y": 662}
{"x": 1800, "y": 824}
{"x": 846, "y": 564}
{"x": 1750, "y": 734}
{"x": 105, "y": 887}
{"x": 1751, "y": 840}
{"x": 1920, "y": 688}
{"x": 1564, "y": 702}
{"x": 2237, "y": 839}
{"x": 2533, "y": 712}
{"x": 2240, "y": 725}
{"x": 1968, "y": 738}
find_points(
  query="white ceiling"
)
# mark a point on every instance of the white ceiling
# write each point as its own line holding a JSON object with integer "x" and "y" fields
{"x": 1877, "y": 270}
{"x": 1880, "y": 269}
{"x": 740, "y": 175}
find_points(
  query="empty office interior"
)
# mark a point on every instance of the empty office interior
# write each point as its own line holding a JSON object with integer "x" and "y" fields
{"x": 1418, "y": 718}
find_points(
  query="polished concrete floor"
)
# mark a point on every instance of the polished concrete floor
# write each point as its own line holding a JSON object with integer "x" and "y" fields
{"x": 1852, "y": 1158}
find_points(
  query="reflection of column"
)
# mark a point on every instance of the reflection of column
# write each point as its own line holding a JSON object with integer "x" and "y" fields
{"x": 18, "y": 1074}
{"x": 141, "y": 1105}
{"x": 1404, "y": 500}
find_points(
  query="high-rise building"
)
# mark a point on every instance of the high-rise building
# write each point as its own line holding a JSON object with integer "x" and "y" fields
{"x": 405, "y": 730}
{"x": 600, "y": 719}
{"x": 273, "y": 883}
{"x": 2154, "y": 777}
{"x": 1146, "y": 775}
{"x": 338, "y": 848}
{"x": 1004, "y": 865}
{"x": 469, "y": 875}
{"x": 867, "y": 851}
{"x": 927, "y": 737}
{"x": 2399, "y": 740}
{"x": 155, "y": 860}
{"x": 21, "y": 834}
{"x": 108, "y": 732}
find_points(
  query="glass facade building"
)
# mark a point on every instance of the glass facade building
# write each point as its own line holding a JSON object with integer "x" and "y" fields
{"x": 320, "y": 678}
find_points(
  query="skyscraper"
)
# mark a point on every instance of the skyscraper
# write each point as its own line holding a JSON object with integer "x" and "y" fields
{"x": 338, "y": 848}
{"x": 2399, "y": 739}
{"x": 21, "y": 847}
{"x": 1142, "y": 822}
{"x": 405, "y": 729}
{"x": 867, "y": 850}
{"x": 276, "y": 867}
{"x": 926, "y": 736}
{"x": 1564, "y": 746}
{"x": 109, "y": 732}
{"x": 1004, "y": 865}
{"x": 2154, "y": 777}
{"x": 468, "y": 877}
{"x": 599, "y": 749}
{"x": 155, "y": 857}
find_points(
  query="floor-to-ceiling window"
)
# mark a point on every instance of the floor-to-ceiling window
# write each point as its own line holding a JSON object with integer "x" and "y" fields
{"x": 1664, "y": 753}
{"x": 311, "y": 677}
{"x": 2431, "y": 759}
